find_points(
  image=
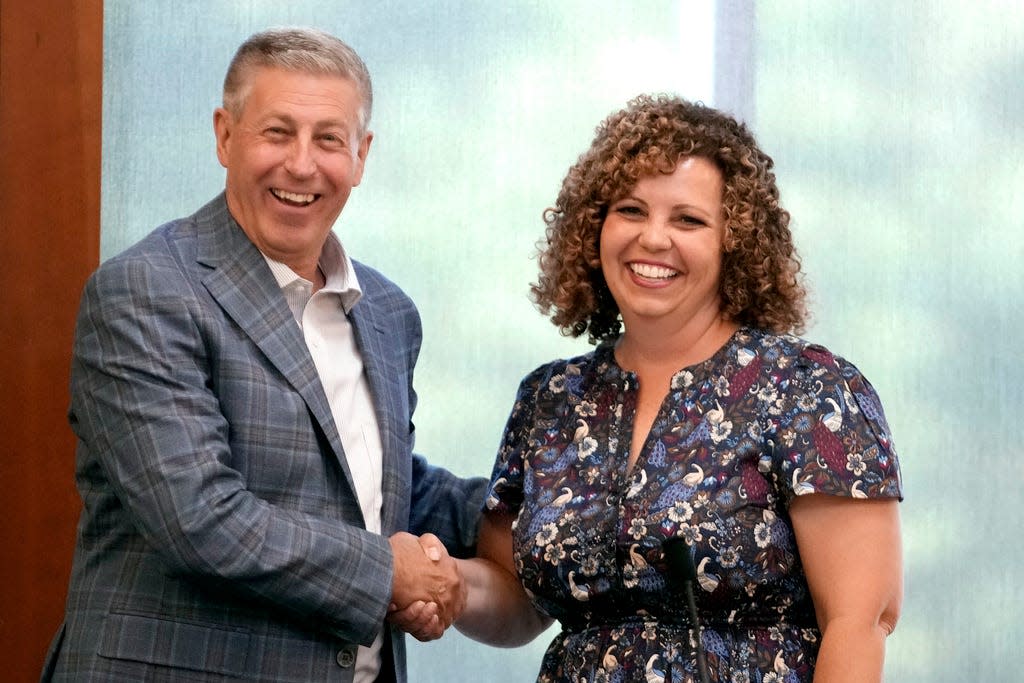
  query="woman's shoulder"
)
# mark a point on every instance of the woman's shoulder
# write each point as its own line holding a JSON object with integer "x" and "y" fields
{"x": 556, "y": 374}
{"x": 797, "y": 355}
{"x": 821, "y": 401}
{"x": 803, "y": 368}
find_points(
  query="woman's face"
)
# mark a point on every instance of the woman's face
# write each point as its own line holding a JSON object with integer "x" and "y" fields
{"x": 661, "y": 245}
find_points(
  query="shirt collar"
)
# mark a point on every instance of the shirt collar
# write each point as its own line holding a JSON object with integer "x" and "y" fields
{"x": 337, "y": 268}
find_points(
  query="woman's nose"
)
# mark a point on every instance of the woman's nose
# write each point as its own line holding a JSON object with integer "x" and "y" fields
{"x": 654, "y": 235}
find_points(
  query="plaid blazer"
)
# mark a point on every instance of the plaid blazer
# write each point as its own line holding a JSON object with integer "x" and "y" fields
{"x": 220, "y": 536}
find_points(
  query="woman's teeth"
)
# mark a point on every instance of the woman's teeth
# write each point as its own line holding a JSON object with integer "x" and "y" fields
{"x": 651, "y": 272}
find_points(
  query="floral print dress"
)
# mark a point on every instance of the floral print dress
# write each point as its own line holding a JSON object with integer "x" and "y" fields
{"x": 767, "y": 418}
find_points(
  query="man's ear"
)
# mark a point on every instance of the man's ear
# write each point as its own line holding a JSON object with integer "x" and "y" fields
{"x": 223, "y": 123}
{"x": 361, "y": 153}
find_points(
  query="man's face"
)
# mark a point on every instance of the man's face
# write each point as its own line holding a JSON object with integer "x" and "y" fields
{"x": 293, "y": 155}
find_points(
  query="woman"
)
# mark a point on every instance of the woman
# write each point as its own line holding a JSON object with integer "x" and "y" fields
{"x": 697, "y": 417}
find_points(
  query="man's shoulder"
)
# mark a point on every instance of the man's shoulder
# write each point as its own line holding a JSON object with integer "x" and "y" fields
{"x": 179, "y": 238}
{"x": 171, "y": 254}
{"x": 376, "y": 285}
{"x": 370, "y": 274}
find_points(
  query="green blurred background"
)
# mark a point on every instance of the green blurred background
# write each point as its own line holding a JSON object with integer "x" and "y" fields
{"x": 897, "y": 134}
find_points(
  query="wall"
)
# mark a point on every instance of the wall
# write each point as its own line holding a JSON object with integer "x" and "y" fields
{"x": 50, "y": 103}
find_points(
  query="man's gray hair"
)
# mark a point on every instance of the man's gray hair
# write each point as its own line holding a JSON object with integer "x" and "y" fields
{"x": 304, "y": 50}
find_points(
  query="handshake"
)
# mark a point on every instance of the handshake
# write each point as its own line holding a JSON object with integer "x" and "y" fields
{"x": 428, "y": 592}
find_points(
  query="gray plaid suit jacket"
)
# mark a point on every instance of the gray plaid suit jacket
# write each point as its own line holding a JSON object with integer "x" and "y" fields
{"x": 220, "y": 537}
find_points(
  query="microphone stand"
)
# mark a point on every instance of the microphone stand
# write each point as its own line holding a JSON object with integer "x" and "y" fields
{"x": 682, "y": 570}
{"x": 691, "y": 603}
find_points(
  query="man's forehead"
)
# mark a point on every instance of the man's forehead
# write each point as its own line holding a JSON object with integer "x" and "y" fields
{"x": 282, "y": 93}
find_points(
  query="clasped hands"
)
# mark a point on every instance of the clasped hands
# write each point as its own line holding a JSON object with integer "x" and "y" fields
{"x": 428, "y": 591}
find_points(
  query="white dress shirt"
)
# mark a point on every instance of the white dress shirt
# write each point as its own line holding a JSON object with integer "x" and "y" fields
{"x": 323, "y": 317}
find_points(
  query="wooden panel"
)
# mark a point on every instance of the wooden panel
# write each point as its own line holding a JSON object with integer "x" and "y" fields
{"x": 51, "y": 54}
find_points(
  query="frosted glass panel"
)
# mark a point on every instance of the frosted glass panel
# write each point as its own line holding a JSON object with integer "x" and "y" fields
{"x": 898, "y": 132}
{"x": 480, "y": 108}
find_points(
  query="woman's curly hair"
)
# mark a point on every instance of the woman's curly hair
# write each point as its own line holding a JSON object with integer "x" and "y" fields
{"x": 760, "y": 284}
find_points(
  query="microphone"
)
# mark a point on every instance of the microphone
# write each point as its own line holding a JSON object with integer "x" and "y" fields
{"x": 681, "y": 570}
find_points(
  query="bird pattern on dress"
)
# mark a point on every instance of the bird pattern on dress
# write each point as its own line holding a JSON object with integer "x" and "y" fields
{"x": 767, "y": 418}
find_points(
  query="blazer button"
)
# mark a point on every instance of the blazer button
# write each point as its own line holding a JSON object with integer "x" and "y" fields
{"x": 346, "y": 658}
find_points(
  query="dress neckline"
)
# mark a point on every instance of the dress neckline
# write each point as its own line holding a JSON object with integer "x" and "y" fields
{"x": 606, "y": 351}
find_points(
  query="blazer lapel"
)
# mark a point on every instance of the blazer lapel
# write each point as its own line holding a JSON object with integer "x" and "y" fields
{"x": 383, "y": 375}
{"x": 242, "y": 284}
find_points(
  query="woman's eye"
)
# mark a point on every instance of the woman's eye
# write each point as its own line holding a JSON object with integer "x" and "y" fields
{"x": 629, "y": 211}
{"x": 692, "y": 221}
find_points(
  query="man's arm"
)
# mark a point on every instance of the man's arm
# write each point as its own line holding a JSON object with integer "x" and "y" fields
{"x": 446, "y": 506}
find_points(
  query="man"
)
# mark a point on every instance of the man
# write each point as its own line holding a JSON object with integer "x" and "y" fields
{"x": 242, "y": 395}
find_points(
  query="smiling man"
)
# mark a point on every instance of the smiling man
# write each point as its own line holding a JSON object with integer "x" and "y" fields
{"x": 242, "y": 396}
{"x": 293, "y": 148}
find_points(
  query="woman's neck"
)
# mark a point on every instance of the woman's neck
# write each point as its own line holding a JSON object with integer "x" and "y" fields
{"x": 645, "y": 348}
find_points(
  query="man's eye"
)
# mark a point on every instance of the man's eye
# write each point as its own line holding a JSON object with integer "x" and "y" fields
{"x": 332, "y": 140}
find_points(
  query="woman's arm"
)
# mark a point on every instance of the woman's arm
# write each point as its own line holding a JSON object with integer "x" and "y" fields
{"x": 498, "y": 611}
{"x": 852, "y": 556}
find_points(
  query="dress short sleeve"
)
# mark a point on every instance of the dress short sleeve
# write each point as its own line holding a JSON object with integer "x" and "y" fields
{"x": 505, "y": 493}
{"x": 832, "y": 435}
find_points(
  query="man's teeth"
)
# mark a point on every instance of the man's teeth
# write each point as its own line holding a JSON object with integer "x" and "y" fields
{"x": 293, "y": 197}
{"x": 652, "y": 272}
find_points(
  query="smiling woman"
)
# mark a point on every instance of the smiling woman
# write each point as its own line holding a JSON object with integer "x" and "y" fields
{"x": 721, "y": 176}
{"x": 791, "y": 524}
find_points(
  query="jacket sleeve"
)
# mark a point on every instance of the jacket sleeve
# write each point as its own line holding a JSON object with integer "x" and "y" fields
{"x": 447, "y": 506}
{"x": 439, "y": 502}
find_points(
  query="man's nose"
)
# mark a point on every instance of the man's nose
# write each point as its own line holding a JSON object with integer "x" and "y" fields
{"x": 301, "y": 162}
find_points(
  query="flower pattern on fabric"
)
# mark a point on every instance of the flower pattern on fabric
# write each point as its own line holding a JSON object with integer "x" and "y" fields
{"x": 767, "y": 418}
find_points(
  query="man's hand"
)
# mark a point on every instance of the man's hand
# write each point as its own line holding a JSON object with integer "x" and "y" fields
{"x": 428, "y": 592}
{"x": 419, "y": 620}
